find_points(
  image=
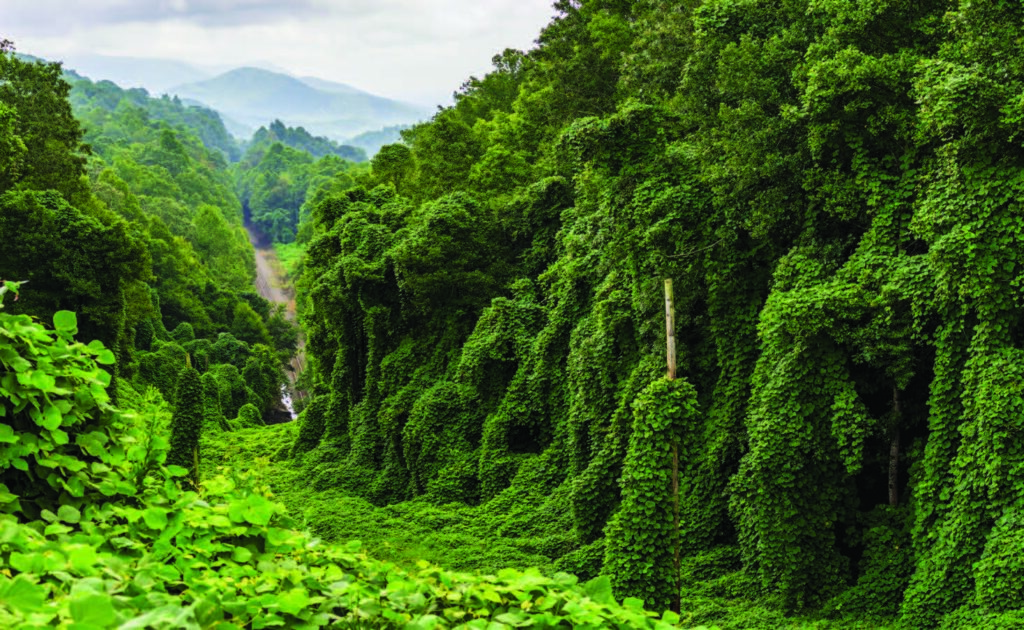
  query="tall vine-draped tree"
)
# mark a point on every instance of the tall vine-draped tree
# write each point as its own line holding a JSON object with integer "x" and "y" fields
{"x": 187, "y": 422}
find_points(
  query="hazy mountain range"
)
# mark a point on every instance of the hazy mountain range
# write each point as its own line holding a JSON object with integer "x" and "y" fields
{"x": 251, "y": 97}
{"x": 335, "y": 110}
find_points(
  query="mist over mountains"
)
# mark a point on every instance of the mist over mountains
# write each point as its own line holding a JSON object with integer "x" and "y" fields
{"x": 251, "y": 97}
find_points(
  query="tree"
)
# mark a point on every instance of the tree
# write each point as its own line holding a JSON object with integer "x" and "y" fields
{"x": 394, "y": 163}
{"x": 12, "y": 148}
{"x": 74, "y": 261}
{"x": 248, "y": 326}
{"x": 54, "y": 155}
{"x": 187, "y": 423}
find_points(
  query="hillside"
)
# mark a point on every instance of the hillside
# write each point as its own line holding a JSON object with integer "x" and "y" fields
{"x": 255, "y": 97}
{"x": 106, "y": 97}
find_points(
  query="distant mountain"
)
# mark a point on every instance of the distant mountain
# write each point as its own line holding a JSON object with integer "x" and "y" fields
{"x": 372, "y": 141}
{"x": 254, "y": 97}
{"x": 330, "y": 86}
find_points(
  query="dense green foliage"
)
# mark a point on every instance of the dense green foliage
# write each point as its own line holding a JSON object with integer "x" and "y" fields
{"x": 835, "y": 190}
{"x": 147, "y": 245}
{"x": 90, "y": 100}
{"x": 299, "y": 138}
{"x": 284, "y": 172}
{"x": 644, "y": 526}
{"x": 112, "y": 540}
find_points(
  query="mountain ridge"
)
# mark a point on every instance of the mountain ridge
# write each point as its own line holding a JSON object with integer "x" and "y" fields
{"x": 255, "y": 96}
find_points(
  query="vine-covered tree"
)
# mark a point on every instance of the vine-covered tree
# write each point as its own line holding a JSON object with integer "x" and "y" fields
{"x": 187, "y": 422}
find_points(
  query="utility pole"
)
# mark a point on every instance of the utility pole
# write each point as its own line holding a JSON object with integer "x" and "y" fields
{"x": 670, "y": 343}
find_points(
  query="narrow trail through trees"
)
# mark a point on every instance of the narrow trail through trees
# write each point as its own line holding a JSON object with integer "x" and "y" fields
{"x": 273, "y": 285}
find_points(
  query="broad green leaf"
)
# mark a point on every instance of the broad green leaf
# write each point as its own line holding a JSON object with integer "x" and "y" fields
{"x": 60, "y": 438}
{"x": 259, "y": 510}
{"x": 56, "y": 529}
{"x": 277, "y": 536}
{"x": 155, "y": 517}
{"x": 6, "y": 496}
{"x": 69, "y": 514}
{"x": 95, "y": 609}
{"x": 26, "y": 562}
{"x": 45, "y": 382}
{"x": 599, "y": 589}
{"x": 82, "y": 557}
{"x": 177, "y": 471}
{"x": 93, "y": 443}
{"x": 293, "y": 601}
{"x": 167, "y": 616}
{"x": 21, "y": 594}
{"x": 65, "y": 321}
{"x": 51, "y": 417}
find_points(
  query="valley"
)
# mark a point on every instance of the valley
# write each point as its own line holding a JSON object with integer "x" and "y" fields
{"x": 700, "y": 315}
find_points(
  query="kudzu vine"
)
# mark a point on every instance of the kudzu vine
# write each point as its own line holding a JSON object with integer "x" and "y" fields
{"x": 835, "y": 190}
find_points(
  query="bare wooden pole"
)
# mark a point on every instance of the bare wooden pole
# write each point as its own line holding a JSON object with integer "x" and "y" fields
{"x": 670, "y": 329}
{"x": 670, "y": 347}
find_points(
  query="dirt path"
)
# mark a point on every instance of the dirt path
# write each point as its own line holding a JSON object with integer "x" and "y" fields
{"x": 272, "y": 284}
{"x": 270, "y": 280}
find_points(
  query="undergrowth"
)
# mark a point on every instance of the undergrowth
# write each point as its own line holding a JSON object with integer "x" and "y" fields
{"x": 520, "y": 529}
{"x": 289, "y": 255}
{"x": 97, "y": 531}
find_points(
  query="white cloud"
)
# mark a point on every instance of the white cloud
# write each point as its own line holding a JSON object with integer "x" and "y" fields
{"x": 419, "y": 50}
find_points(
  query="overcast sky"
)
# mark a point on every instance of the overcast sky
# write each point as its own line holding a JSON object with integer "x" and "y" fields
{"x": 418, "y": 50}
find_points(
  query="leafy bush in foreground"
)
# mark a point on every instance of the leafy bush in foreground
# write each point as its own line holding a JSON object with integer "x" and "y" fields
{"x": 227, "y": 559}
{"x": 120, "y": 541}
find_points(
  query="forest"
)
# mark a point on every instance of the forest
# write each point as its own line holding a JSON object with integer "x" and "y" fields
{"x": 486, "y": 436}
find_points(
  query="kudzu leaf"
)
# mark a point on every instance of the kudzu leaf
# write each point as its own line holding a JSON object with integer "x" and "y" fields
{"x": 177, "y": 471}
{"x": 259, "y": 510}
{"x": 155, "y": 517}
{"x": 92, "y": 443}
{"x": 96, "y": 609}
{"x": 293, "y": 601}
{"x": 45, "y": 382}
{"x": 82, "y": 557}
{"x": 21, "y": 594}
{"x": 65, "y": 321}
{"x": 6, "y": 496}
{"x": 599, "y": 589}
{"x": 69, "y": 514}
